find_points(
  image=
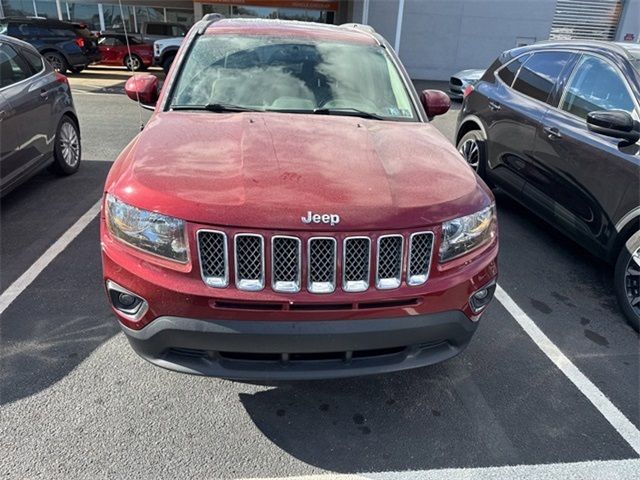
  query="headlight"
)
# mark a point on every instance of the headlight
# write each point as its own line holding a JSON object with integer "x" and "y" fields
{"x": 149, "y": 231}
{"x": 463, "y": 234}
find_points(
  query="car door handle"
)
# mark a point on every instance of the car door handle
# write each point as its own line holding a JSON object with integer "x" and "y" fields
{"x": 44, "y": 94}
{"x": 495, "y": 106}
{"x": 552, "y": 132}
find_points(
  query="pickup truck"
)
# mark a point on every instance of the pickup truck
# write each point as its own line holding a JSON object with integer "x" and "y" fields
{"x": 164, "y": 51}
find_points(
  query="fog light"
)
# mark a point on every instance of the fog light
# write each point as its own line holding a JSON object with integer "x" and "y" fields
{"x": 128, "y": 304}
{"x": 126, "y": 300}
{"x": 481, "y": 294}
{"x": 481, "y": 298}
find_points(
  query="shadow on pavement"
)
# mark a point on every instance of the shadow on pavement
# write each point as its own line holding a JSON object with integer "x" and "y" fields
{"x": 62, "y": 316}
{"x": 57, "y": 322}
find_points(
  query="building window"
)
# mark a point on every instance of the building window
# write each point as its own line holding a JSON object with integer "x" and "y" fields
{"x": 47, "y": 9}
{"x": 113, "y": 18}
{"x": 18, "y": 8}
{"x": 181, "y": 16}
{"x": 249, "y": 11}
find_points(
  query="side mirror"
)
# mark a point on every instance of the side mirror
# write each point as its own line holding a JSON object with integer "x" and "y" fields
{"x": 435, "y": 102}
{"x": 614, "y": 123}
{"x": 143, "y": 87}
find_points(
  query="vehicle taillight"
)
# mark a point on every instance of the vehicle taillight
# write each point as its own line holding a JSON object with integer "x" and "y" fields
{"x": 80, "y": 42}
{"x": 60, "y": 78}
{"x": 467, "y": 91}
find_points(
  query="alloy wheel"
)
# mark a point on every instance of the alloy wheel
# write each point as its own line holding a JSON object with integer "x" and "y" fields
{"x": 56, "y": 62}
{"x": 133, "y": 63}
{"x": 470, "y": 151}
{"x": 69, "y": 144}
{"x": 632, "y": 281}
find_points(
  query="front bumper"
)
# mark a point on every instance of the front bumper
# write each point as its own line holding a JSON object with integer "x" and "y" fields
{"x": 190, "y": 327}
{"x": 266, "y": 350}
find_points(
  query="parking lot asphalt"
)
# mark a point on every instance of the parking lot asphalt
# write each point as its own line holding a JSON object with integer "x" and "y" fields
{"x": 76, "y": 402}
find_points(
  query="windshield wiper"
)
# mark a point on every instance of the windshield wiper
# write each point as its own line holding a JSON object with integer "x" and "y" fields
{"x": 215, "y": 107}
{"x": 353, "y": 112}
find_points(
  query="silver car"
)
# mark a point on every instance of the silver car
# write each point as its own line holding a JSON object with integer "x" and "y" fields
{"x": 461, "y": 80}
{"x": 38, "y": 123}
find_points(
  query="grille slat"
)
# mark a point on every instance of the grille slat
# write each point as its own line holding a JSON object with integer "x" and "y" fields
{"x": 389, "y": 262}
{"x": 322, "y": 265}
{"x": 355, "y": 264}
{"x": 420, "y": 250}
{"x": 212, "y": 247}
{"x": 285, "y": 264}
{"x": 249, "y": 260}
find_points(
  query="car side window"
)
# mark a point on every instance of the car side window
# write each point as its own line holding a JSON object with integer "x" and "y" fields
{"x": 109, "y": 41}
{"x": 539, "y": 74}
{"x": 595, "y": 85}
{"x": 34, "y": 60}
{"x": 177, "y": 31}
{"x": 508, "y": 73}
{"x": 13, "y": 68}
{"x": 158, "y": 29}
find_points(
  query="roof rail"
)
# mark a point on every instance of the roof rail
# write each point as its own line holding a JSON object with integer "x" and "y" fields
{"x": 359, "y": 26}
{"x": 207, "y": 20}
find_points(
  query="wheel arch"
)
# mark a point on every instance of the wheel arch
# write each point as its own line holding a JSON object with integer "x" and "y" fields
{"x": 469, "y": 124}
{"x": 626, "y": 227}
{"x": 72, "y": 115}
{"x": 169, "y": 51}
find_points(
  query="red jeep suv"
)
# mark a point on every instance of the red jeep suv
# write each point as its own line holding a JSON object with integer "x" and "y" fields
{"x": 288, "y": 211}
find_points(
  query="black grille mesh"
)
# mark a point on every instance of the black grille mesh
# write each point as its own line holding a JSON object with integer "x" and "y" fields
{"x": 421, "y": 245}
{"x": 356, "y": 259}
{"x": 390, "y": 257}
{"x": 285, "y": 261}
{"x": 249, "y": 259}
{"x": 212, "y": 256}
{"x": 322, "y": 255}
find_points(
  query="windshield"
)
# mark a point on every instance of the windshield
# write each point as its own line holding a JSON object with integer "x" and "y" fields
{"x": 294, "y": 75}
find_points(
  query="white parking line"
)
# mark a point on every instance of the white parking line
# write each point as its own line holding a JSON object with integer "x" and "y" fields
{"x": 615, "y": 417}
{"x": 592, "y": 470}
{"x": 17, "y": 287}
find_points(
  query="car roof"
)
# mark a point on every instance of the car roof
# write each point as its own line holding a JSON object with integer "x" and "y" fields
{"x": 351, "y": 33}
{"x": 632, "y": 48}
{"x": 598, "y": 46}
{"x": 41, "y": 20}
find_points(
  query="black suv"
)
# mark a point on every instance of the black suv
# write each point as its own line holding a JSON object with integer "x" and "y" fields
{"x": 67, "y": 46}
{"x": 556, "y": 126}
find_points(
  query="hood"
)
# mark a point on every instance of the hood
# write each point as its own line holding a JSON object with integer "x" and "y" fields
{"x": 470, "y": 74}
{"x": 267, "y": 170}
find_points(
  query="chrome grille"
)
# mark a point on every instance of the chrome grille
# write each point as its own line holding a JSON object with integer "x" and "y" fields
{"x": 249, "y": 260}
{"x": 285, "y": 259}
{"x": 355, "y": 264}
{"x": 389, "y": 261}
{"x": 285, "y": 264}
{"x": 322, "y": 265}
{"x": 420, "y": 248}
{"x": 212, "y": 248}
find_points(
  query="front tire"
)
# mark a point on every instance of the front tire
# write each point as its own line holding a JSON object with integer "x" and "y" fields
{"x": 67, "y": 152}
{"x": 167, "y": 62}
{"x": 627, "y": 280}
{"x": 57, "y": 61}
{"x": 472, "y": 147}
{"x": 133, "y": 63}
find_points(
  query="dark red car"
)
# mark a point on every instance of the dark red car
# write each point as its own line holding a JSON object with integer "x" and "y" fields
{"x": 114, "y": 51}
{"x": 288, "y": 212}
